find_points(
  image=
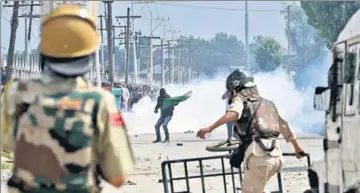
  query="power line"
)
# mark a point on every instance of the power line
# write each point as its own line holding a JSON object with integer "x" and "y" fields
{"x": 141, "y": 10}
{"x": 168, "y": 21}
{"x": 156, "y": 10}
{"x": 217, "y": 8}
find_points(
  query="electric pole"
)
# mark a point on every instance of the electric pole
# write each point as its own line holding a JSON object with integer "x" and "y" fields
{"x": 170, "y": 60}
{"x": 180, "y": 68}
{"x": 109, "y": 30}
{"x": 172, "y": 69}
{"x": 122, "y": 39}
{"x": 114, "y": 38}
{"x": 137, "y": 64}
{"x": 162, "y": 60}
{"x": 179, "y": 63}
{"x": 188, "y": 70}
{"x": 27, "y": 39}
{"x": 101, "y": 17}
{"x": 14, "y": 26}
{"x": 127, "y": 41}
{"x": 150, "y": 63}
{"x": 28, "y": 31}
{"x": 172, "y": 73}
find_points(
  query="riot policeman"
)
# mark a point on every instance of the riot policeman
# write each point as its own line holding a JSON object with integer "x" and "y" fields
{"x": 259, "y": 125}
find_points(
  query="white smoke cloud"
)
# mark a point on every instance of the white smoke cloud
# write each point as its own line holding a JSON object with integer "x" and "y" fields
{"x": 205, "y": 105}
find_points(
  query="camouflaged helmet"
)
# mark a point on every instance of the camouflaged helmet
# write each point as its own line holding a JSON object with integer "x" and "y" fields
{"x": 237, "y": 80}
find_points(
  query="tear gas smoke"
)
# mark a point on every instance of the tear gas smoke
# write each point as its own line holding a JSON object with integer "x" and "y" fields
{"x": 205, "y": 105}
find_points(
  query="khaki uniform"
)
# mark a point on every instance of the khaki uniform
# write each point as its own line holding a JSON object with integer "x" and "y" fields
{"x": 260, "y": 165}
{"x": 61, "y": 149}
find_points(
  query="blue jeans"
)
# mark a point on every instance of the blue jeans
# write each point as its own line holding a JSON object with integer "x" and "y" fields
{"x": 230, "y": 130}
{"x": 164, "y": 121}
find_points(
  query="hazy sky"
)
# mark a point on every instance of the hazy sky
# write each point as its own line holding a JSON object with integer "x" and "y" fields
{"x": 198, "y": 18}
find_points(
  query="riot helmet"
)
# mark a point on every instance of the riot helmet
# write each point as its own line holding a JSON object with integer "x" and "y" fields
{"x": 238, "y": 80}
{"x": 69, "y": 40}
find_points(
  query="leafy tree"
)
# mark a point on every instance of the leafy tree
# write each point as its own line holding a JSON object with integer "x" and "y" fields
{"x": 329, "y": 17}
{"x": 267, "y": 53}
{"x": 304, "y": 40}
{"x": 208, "y": 56}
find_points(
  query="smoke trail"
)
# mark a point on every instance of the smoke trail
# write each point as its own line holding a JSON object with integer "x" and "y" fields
{"x": 205, "y": 106}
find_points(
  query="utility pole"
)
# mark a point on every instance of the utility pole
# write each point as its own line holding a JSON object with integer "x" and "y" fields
{"x": 109, "y": 30}
{"x": 162, "y": 45}
{"x": 127, "y": 41}
{"x": 150, "y": 64}
{"x": 247, "y": 65}
{"x": 114, "y": 38}
{"x": 171, "y": 73}
{"x": 180, "y": 66}
{"x": 26, "y": 40}
{"x": 123, "y": 39}
{"x": 14, "y": 26}
{"x": 137, "y": 64}
{"x": 102, "y": 41}
{"x": 28, "y": 32}
{"x": 188, "y": 71}
{"x": 179, "y": 63}
{"x": 172, "y": 70}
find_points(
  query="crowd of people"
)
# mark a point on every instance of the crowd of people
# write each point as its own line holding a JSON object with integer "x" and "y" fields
{"x": 132, "y": 93}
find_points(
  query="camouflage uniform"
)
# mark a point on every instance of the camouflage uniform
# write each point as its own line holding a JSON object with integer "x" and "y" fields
{"x": 61, "y": 130}
{"x": 260, "y": 164}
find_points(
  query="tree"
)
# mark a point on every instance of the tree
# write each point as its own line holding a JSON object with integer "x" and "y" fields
{"x": 304, "y": 40}
{"x": 267, "y": 53}
{"x": 329, "y": 17}
{"x": 208, "y": 56}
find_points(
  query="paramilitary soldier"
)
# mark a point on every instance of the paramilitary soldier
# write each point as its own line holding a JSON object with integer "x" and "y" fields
{"x": 60, "y": 128}
{"x": 258, "y": 124}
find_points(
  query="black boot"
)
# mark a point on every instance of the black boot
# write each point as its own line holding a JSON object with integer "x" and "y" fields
{"x": 167, "y": 140}
{"x": 228, "y": 140}
{"x": 157, "y": 140}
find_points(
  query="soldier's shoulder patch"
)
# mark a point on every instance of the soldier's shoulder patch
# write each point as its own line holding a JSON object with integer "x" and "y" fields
{"x": 116, "y": 119}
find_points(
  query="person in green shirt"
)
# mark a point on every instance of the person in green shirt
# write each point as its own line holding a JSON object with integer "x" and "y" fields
{"x": 165, "y": 117}
{"x": 167, "y": 104}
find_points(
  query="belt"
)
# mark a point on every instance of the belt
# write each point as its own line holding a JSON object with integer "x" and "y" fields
{"x": 262, "y": 146}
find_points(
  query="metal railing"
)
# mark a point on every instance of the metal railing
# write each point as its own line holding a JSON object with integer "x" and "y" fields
{"x": 168, "y": 179}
